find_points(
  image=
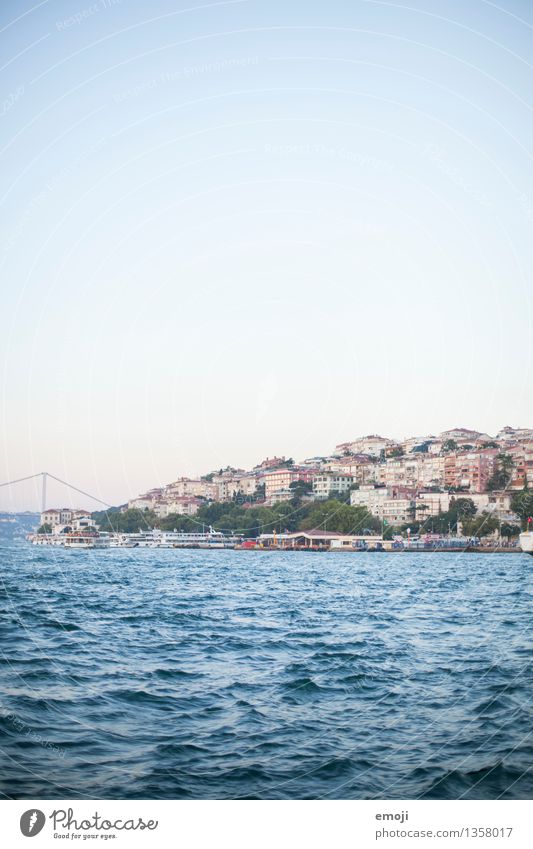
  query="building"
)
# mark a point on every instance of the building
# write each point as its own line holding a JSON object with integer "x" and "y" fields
{"x": 279, "y": 480}
{"x": 326, "y": 484}
{"x": 373, "y": 445}
{"x": 63, "y": 516}
{"x": 416, "y": 442}
{"x": 143, "y": 502}
{"x": 229, "y": 485}
{"x": 279, "y": 495}
{"x": 147, "y": 501}
{"x": 270, "y": 463}
{"x": 469, "y": 470}
{"x": 82, "y": 522}
{"x": 463, "y": 434}
{"x": 395, "y": 505}
{"x": 317, "y": 539}
{"x": 428, "y": 504}
{"x": 401, "y": 471}
{"x": 60, "y": 519}
{"x": 178, "y": 506}
{"x": 57, "y": 516}
{"x": 514, "y": 435}
{"x": 361, "y": 467}
{"x": 192, "y": 487}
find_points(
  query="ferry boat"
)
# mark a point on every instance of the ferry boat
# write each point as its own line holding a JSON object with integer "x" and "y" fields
{"x": 81, "y": 540}
{"x": 72, "y": 540}
{"x": 526, "y": 542}
{"x": 140, "y": 539}
{"x": 174, "y": 539}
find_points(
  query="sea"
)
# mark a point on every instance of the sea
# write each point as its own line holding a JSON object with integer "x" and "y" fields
{"x": 193, "y": 674}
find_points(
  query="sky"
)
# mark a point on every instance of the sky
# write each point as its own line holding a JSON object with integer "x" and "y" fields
{"x": 231, "y": 230}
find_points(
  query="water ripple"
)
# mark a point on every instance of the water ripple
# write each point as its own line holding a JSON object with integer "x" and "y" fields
{"x": 190, "y": 674}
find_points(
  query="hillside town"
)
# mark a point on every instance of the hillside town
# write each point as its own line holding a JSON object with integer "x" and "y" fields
{"x": 396, "y": 481}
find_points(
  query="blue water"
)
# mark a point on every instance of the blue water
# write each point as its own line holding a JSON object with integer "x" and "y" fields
{"x": 190, "y": 674}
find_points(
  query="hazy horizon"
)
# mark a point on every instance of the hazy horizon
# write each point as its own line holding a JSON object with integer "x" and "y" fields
{"x": 242, "y": 229}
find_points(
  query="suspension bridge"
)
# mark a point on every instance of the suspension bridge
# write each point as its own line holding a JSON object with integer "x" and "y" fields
{"x": 44, "y": 480}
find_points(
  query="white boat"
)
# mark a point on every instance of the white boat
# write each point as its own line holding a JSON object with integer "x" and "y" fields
{"x": 141, "y": 539}
{"x": 85, "y": 541}
{"x": 174, "y": 539}
{"x": 526, "y": 542}
{"x": 74, "y": 540}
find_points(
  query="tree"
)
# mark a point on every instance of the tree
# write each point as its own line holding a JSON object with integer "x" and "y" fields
{"x": 502, "y": 475}
{"x": 396, "y": 452}
{"x": 464, "y": 507}
{"x": 460, "y": 509}
{"x": 449, "y": 445}
{"x": 45, "y": 529}
{"x": 333, "y": 515}
{"x": 176, "y": 522}
{"x": 522, "y": 504}
{"x": 480, "y": 526}
{"x": 509, "y": 530}
{"x": 301, "y": 488}
{"x": 129, "y": 522}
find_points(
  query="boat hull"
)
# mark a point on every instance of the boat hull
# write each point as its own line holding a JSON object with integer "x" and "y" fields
{"x": 526, "y": 542}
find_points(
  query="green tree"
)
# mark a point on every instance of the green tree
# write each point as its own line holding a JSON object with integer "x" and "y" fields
{"x": 176, "y": 522}
{"x": 129, "y": 521}
{"x": 508, "y": 529}
{"x": 460, "y": 509}
{"x": 301, "y": 488}
{"x": 522, "y": 505}
{"x": 396, "y": 452}
{"x": 502, "y": 475}
{"x": 333, "y": 515}
{"x": 449, "y": 445}
{"x": 480, "y": 526}
{"x": 44, "y": 529}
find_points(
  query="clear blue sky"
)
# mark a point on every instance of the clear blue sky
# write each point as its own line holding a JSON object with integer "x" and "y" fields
{"x": 237, "y": 229}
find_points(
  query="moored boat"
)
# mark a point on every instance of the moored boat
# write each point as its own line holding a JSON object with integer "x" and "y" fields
{"x": 526, "y": 542}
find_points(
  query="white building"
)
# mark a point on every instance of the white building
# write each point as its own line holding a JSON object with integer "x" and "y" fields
{"x": 178, "y": 505}
{"x": 82, "y": 522}
{"x": 372, "y": 445}
{"x": 64, "y": 516}
{"x": 396, "y": 505}
{"x": 195, "y": 487}
{"x": 326, "y": 484}
{"x": 142, "y": 503}
{"x": 57, "y": 516}
{"x": 230, "y": 485}
{"x": 431, "y": 504}
{"x": 415, "y": 442}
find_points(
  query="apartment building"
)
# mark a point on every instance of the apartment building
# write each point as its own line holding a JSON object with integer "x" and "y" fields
{"x": 431, "y": 504}
{"x": 57, "y": 517}
{"x": 193, "y": 487}
{"x": 281, "y": 479}
{"x": 360, "y": 467}
{"x": 325, "y": 484}
{"x": 179, "y": 505}
{"x": 470, "y": 470}
{"x": 373, "y": 445}
{"x": 394, "y": 504}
